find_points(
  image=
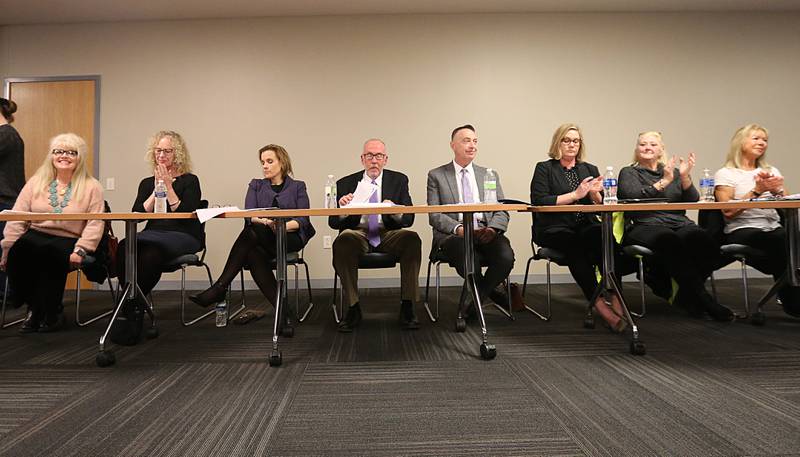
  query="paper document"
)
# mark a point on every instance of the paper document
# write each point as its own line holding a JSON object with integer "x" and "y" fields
{"x": 363, "y": 192}
{"x": 209, "y": 213}
{"x": 353, "y": 204}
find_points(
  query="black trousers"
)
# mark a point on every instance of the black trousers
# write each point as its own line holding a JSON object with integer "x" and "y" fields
{"x": 773, "y": 243}
{"x": 255, "y": 248}
{"x": 688, "y": 254}
{"x": 584, "y": 250}
{"x": 497, "y": 256}
{"x": 155, "y": 248}
{"x": 38, "y": 264}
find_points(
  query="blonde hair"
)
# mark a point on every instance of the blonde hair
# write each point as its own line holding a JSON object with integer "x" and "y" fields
{"x": 46, "y": 172}
{"x": 663, "y": 159}
{"x": 183, "y": 164}
{"x": 734, "y": 159}
{"x": 558, "y": 135}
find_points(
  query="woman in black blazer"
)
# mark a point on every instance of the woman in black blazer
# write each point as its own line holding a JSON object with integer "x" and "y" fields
{"x": 566, "y": 179}
{"x": 255, "y": 245}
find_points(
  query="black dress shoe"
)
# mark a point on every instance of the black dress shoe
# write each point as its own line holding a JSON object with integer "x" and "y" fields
{"x": 352, "y": 320}
{"x": 210, "y": 296}
{"x": 30, "y": 324}
{"x": 408, "y": 319}
{"x": 500, "y": 298}
{"x": 53, "y": 324}
{"x": 715, "y": 310}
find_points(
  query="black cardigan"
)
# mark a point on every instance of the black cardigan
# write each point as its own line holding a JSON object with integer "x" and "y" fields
{"x": 547, "y": 184}
{"x": 187, "y": 188}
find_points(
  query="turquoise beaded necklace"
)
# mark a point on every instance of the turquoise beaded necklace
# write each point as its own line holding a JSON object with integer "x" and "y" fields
{"x": 58, "y": 207}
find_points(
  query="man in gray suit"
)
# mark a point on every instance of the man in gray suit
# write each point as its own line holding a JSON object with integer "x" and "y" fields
{"x": 461, "y": 181}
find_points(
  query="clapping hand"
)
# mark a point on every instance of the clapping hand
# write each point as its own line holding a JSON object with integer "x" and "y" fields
{"x": 589, "y": 184}
{"x": 767, "y": 182}
{"x": 162, "y": 173}
{"x": 685, "y": 166}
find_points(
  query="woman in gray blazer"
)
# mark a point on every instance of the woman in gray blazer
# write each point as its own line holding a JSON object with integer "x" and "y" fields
{"x": 255, "y": 246}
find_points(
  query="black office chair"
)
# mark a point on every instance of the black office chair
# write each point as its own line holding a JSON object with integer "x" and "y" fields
{"x": 436, "y": 258}
{"x": 713, "y": 222}
{"x": 551, "y": 256}
{"x": 194, "y": 260}
{"x": 368, "y": 261}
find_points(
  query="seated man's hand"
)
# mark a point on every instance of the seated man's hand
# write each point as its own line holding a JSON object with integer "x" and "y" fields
{"x": 345, "y": 200}
{"x": 460, "y": 231}
{"x": 485, "y": 235}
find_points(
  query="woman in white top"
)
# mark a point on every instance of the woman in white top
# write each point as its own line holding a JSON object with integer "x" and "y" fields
{"x": 747, "y": 175}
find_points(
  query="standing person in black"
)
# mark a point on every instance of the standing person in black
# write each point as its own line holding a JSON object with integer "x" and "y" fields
{"x": 377, "y": 233}
{"x": 164, "y": 239}
{"x": 566, "y": 179}
{"x": 12, "y": 168}
{"x": 684, "y": 250}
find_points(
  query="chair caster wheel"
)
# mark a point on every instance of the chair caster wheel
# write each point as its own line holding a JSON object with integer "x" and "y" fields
{"x": 758, "y": 319}
{"x": 275, "y": 358}
{"x": 151, "y": 333}
{"x": 638, "y": 347}
{"x": 588, "y": 323}
{"x": 461, "y": 325}
{"x": 488, "y": 351}
{"x": 105, "y": 359}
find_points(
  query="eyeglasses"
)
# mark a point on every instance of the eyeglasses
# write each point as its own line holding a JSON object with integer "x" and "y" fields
{"x": 571, "y": 140}
{"x": 370, "y": 156}
{"x": 64, "y": 152}
{"x": 159, "y": 151}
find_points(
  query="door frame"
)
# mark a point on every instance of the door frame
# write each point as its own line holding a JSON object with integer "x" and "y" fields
{"x": 96, "y": 79}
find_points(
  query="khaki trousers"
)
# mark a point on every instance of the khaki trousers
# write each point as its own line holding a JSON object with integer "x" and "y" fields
{"x": 351, "y": 244}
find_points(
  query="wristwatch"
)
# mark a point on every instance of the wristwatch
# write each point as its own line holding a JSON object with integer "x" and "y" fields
{"x": 80, "y": 252}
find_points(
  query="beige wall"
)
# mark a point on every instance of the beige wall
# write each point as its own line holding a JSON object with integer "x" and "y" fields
{"x": 321, "y": 85}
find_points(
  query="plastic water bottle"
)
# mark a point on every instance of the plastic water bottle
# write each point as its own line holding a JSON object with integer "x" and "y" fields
{"x": 221, "y": 314}
{"x": 161, "y": 197}
{"x": 330, "y": 192}
{"x": 490, "y": 187}
{"x": 707, "y": 186}
{"x": 609, "y": 187}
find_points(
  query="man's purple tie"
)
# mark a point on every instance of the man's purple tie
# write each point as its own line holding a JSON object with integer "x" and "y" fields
{"x": 466, "y": 191}
{"x": 373, "y": 229}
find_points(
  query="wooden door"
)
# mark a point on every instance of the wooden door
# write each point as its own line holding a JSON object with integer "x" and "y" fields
{"x": 49, "y": 106}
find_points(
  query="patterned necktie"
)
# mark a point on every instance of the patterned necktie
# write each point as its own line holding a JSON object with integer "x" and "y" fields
{"x": 373, "y": 229}
{"x": 466, "y": 192}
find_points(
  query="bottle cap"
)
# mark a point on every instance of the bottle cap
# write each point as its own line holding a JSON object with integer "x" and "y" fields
{"x": 609, "y": 168}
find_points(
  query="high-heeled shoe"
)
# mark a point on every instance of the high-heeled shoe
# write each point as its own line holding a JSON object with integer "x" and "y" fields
{"x": 210, "y": 296}
{"x": 615, "y": 323}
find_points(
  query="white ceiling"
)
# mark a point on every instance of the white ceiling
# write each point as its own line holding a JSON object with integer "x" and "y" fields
{"x": 19, "y": 12}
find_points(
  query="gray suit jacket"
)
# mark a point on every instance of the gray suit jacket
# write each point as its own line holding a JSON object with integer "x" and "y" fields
{"x": 443, "y": 190}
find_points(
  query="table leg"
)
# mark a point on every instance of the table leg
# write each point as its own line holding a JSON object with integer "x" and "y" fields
{"x": 488, "y": 351}
{"x": 609, "y": 283}
{"x": 275, "y": 358}
{"x": 105, "y": 357}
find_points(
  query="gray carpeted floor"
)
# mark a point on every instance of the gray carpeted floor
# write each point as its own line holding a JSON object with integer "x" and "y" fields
{"x": 703, "y": 389}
